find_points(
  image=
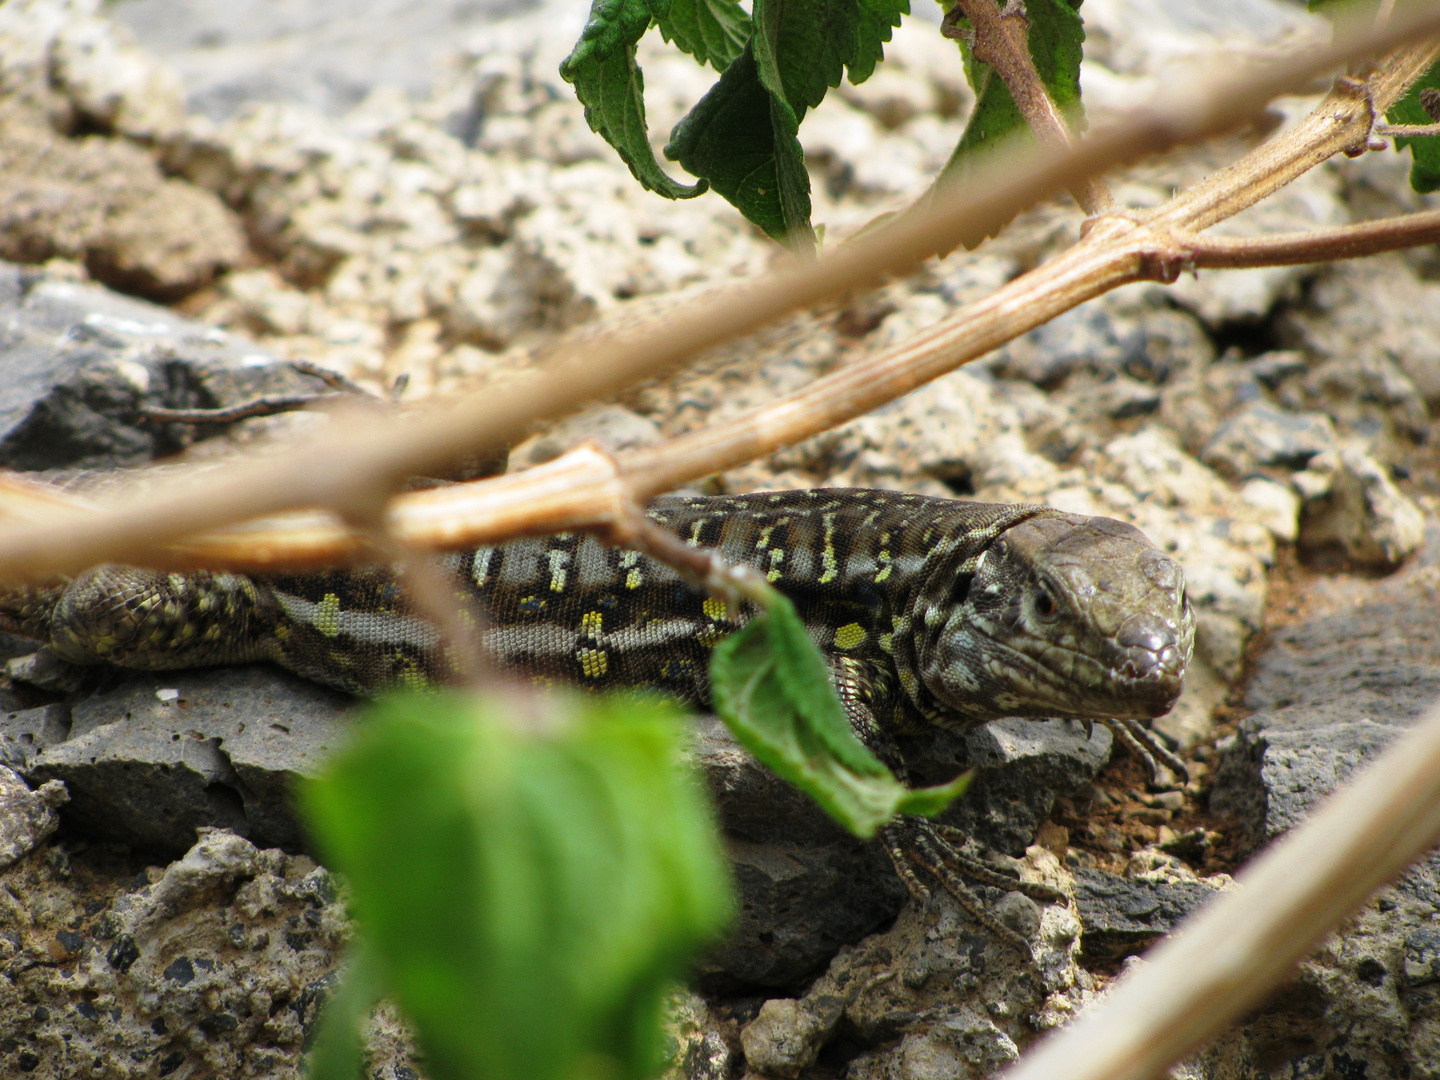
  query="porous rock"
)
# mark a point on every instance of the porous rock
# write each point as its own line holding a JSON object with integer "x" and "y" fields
{"x": 215, "y": 966}
{"x": 1354, "y": 505}
{"x": 104, "y": 203}
{"x": 26, "y": 817}
{"x": 223, "y": 753}
{"x": 1328, "y": 695}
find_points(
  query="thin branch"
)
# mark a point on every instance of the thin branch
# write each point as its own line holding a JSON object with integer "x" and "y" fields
{"x": 1002, "y": 40}
{"x": 1317, "y": 245}
{"x": 354, "y": 467}
{"x": 1225, "y": 960}
{"x": 1407, "y": 131}
{"x": 261, "y": 406}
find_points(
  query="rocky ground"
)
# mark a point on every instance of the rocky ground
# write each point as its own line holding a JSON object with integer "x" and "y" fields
{"x": 1274, "y": 429}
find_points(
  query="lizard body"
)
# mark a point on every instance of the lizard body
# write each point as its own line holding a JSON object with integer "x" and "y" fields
{"x": 929, "y": 611}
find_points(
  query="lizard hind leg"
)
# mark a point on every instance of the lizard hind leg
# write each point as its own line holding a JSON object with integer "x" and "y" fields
{"x": 153, "y": 620}
{"x": 919, "y": 847}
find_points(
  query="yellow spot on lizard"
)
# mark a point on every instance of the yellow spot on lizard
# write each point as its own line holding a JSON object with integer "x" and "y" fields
{"x": 884, "y": 558}
{"x": 590, "y": 624}
{"x": 714, "y": 608}
{"x": 593, "y": 662}
{"x": 849, "y": 635}
{"x": 327, "y": 615}
{"x": 633, "y": 579}
{"x": 777, "y": 556}
{"x": 827, "y": 553}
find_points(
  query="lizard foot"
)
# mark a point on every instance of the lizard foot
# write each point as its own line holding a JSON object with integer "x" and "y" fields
{"x": 1146, "y": 745}
{"x": 918, "y": 844}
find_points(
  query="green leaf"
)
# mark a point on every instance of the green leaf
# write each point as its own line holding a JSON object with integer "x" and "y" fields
{"x": 712, "y": 31}
{"x": 528, "y": 883}
{"x": 802, "y": 47}
{"x": 877, "y": 19}
{"x": 771, "y": 686}
{"x": 1057, "y": 37}
{"x": 1425, "y": 171}
{"x": 742, "y": 139}
{"x": 609, "y": 84}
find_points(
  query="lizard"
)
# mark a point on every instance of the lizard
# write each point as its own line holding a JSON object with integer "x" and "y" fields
{"x": 931, "y": 613}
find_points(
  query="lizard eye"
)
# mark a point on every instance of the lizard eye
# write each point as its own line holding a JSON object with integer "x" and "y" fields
{"x": 1044, "y": 602}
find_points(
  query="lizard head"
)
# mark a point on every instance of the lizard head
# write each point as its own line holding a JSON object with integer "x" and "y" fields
{"x": 1063, "y": 615}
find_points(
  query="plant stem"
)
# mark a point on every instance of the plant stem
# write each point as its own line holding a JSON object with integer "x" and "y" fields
{"x": 1002, "y": 41}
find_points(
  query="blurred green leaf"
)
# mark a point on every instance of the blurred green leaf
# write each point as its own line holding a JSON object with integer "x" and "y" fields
{"x": 742, "y": 139}
{"x": 338, "y": 1053}
{"x": 712, "y": 31}
{"x": 528, "y": 886}
{"x": 771, "y": 686}
{"x": 609, "y": 84}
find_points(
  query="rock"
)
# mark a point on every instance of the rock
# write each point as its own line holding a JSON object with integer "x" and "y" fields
{"x": 1262, "y": 436}
{"x": 80, "y": 361}
{"x": 1121, "y": 916}
{"x": 786, "y": 1037}
{"x": 1108, "y": 337}
{"x": 1276, "y": 506}
{"x": 105, "y": 204}
{"x": 215, "y": 966}
{"x": 807, "y": 888}
{"x": 1358, "y": 508}
{"x": 224, "y": 753}
{"x": 26, "y": 817}
{"x": 613, "y": 427}
{"x": 1327, "y": 695}
{"x": 950, "y": 998}
{"x": 1370, "y": 310}
{"x": 24, "y": 733}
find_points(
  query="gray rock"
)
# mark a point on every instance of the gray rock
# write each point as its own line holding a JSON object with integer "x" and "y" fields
{"x": 26, "y": 732}
{"x": 1121, "y": 916}
{"x": 806, "y": 887}
{"x": 80, "y": 361}
{"x": 1353, "y": 504}
{"x": 1106, "y": 338}
{"x": 1262, "y": 436}
{"x": 1328, "y": 694}
{"x": 929, "y": 997}
{"x": 223, "y": 754}
{"x": 328, "y": 56}
{"x": 150, "y": 772}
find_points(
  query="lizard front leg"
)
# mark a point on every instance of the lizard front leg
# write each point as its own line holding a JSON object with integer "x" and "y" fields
{"x": 920, "y": 848}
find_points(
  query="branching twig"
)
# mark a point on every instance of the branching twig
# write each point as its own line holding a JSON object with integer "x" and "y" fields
{"x": 262, "y": 406}
{"x": 1001, "y": 39}
{"x": 355, "y": 467}
{"x": 1317, "y": 245}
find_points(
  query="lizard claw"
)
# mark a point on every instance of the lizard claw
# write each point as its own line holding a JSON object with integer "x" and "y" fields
{"x": 917, "y": 844}
{"x": 1146, "y": 745}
